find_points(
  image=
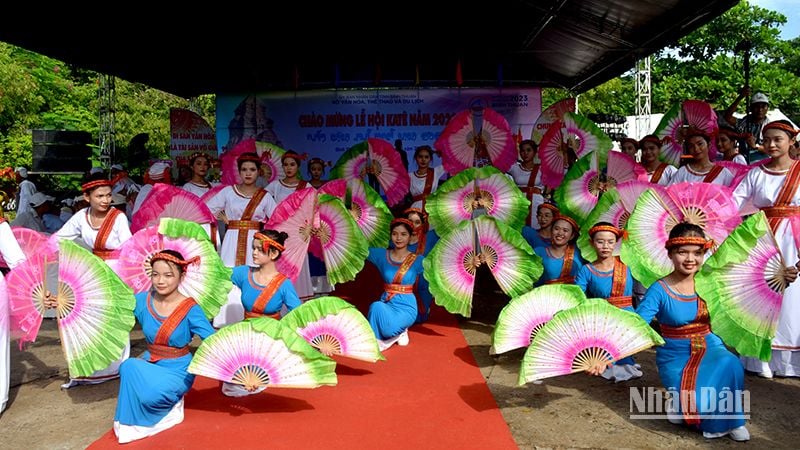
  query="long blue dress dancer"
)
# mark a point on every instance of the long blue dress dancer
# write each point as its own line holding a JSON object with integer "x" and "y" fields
{"x": 421, "y": 243}
{"x": 265, "y": 291}
{"x": 562, "y": 260}
{"x": 609, "y": 278}
{"x": 396, "y": 310}
{"x": 152, "y": 387}
{"x": 694, "y": 364}
{"x": 546, "y": 213}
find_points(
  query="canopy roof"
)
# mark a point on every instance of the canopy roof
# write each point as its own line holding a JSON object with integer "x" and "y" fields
{"x": 574, "y": 44}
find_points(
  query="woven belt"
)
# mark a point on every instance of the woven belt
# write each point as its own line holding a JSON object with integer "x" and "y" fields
{"x": 621, "y": 302}
{"x": 689, "y": 331}
{"x": 158, "y": 352}
{"x": 561, "y": 280}
{"x": 255, "y": 315}
{"x": 244, "y": 224}
{"x": 103, "y": 253}
{"x": 781, "y": 212}
{"x": 392, "y": 288}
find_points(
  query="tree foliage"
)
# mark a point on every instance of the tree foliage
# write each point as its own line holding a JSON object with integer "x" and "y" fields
{"x": 41, "y": 92}
{"x": 708, "y": 65}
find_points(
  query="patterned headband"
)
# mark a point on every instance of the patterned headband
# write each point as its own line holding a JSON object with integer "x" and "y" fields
{"x": 421, "y": 213}
{"x": 690, "y": 240}
{"x": 267, "y": 242}
{"x": 651, "y": 139}
{"x": 401, "y": 220}
{"x": 95, "y": 184}
{"x": 612, "y": 229}
{"x": 294, "y": 156}
{"x": 196, "y": 155}
{"x": 570, "y": 221}
{"x": 161, "y": 256}
{"x": 550, "y": 206}
{"x": 780, "y": 126}
{"x": 246, "y": 157}
{"x": 631, "y": 140}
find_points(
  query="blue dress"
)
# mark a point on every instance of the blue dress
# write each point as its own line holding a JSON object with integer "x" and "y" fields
{"x": 534, "y": 238}
{"x": 389, "y": 317}
{"x": 553, "y": 266}
{"x": 242, "y": 277}
{"x": 423, "y": 290}
{"x": 597, "y": 284}
{"x": 718, "y": 369}
{"x": 149, "y": 390}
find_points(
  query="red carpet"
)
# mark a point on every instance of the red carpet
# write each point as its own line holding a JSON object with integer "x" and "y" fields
{"x": 429, "y": 394}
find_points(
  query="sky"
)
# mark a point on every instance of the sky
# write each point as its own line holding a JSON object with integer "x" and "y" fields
{"x": 790, "y": 9}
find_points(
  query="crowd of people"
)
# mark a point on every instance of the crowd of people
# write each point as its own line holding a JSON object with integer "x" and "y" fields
{"x": 692, "y": 358}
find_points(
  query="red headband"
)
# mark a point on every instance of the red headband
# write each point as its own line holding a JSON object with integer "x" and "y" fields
{"x": 693, "y": 131}
{"x": 401, "y": 220}
{"x": 267, "y": 242}
{"x": 95, "y": 184}
{"x": 294, "y": 156}
{"x": 652, "y": 139}
{"x": 690, "y": 240}
{"x": 421, "y": 213}
{"x": 246, "y": 157}
{"x": 570, "y": 221}
{"x": 161, "y": 256}
{"x": 631, "y": 140}
{"x": 780, "y": 126}
{"x": 551, "y": 207}
{"x": 196, "y": 155}
{"x": 618, "y": 232}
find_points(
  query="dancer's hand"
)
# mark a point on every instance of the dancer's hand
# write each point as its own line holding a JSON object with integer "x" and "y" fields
{"x": 598, "y": 368}
{"x": 790, "y": 274}
{"x": 221, "y": 216}
{"x": 50, "y": 302}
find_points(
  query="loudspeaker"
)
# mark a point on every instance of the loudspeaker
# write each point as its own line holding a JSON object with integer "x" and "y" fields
{"x": 61, "y": 151}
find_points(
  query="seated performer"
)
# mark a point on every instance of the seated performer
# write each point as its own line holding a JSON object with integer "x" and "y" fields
{"x": 562, "y": 260}
{"x": 693, "y": 359}
{"x": 396, "y": 310}
{"x": 152, "y": 387}
{"x": 421, "y": 243}
{"x": 609, "y": 278}
{"x": 545, "y": 216}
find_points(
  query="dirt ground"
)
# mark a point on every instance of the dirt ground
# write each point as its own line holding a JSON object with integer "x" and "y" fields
{"x": 573, "y": 411}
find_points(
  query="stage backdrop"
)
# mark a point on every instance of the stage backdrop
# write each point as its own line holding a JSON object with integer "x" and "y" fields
{"x": 326, "y": 123}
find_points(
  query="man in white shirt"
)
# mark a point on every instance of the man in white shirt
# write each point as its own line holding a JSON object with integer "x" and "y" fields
{"x": 25, "y": 191}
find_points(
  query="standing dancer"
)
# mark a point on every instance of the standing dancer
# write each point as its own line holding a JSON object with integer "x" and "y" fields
{"x": 280, "y": 189}
{"x": 773, "y": 188}
{"x": 424, "y": 180}
{"x": 609, "y": 278}
{"x": 104, "y": 229}
{"x": 316, "y": 169}
{"x": 658, "y": 172}
{"x": 12, "y": 254}
{"x": 243, "y": 206}
{"x": 701, "y": 169}
{"x": 152, "y": 387}
{"x": 198, "y": 184}
{"x": 396, "y": 310}
{"x": 526, "y": 175}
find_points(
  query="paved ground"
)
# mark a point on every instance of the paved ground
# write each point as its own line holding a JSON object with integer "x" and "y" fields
{"x": 573, "y": 411}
